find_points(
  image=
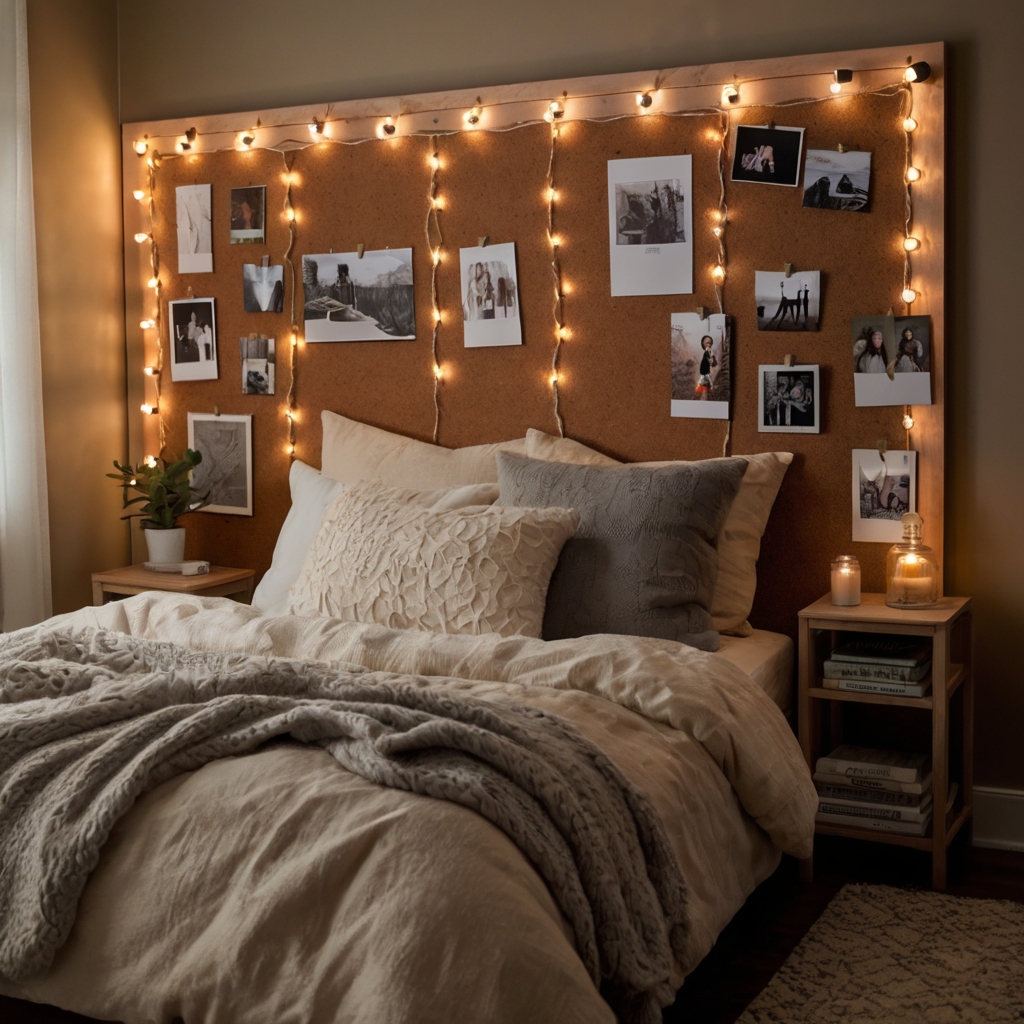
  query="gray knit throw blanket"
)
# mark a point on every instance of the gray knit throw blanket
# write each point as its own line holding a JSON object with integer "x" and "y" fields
{"x": 90, "y": 722}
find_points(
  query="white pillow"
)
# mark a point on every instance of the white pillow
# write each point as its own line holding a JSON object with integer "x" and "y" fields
{"x": 378, "y": 558}
{"x": 312, "y": 493}
{"x": 355, "y": 451}
{"x": 739, "y": 540}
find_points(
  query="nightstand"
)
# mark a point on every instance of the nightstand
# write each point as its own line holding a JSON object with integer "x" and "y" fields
{"x": 135, "y": 579}
{"x": 941, "y": 723}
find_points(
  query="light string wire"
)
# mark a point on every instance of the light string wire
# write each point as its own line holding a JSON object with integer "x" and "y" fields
{"x": 724, "y": 127}
{"x": 561, "y": 331}
{"x": 908, "y": 105}
{"x": 289, "y": 213}
{"x": 435, "y": 240}
{"x": 154, "y": 263}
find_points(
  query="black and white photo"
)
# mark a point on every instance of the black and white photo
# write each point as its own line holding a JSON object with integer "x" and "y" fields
{"x": 767, "y": 155}
{"x": 258, "y": 363}
{"x": 195, "y": 229}
{"x": 248, "y": 215}
{"x": 650, "y": 225}
{"x": 490, "y": 296}
{"x": 891, "y": 360}
{"x": 353, "y": 298}
{"x": 225, "y": 442}
{"x": 884, "y": 490}
{"x": 836, "y": 181}
{"x": 262, "y": 288}
{"x": 787, "y": 303}
{"x": 701, "y": 366}
{"x": 193, "y": 329}
{"x": 788, "y": 400}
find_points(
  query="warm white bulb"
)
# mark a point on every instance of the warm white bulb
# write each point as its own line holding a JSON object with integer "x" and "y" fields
{"x": 718, "y": 273}
{"x": 139, "y": 194}
{"x": 909, "y": 124}
{"x": 147, "y": 408}
{"x": 910, "y": 75}
{"x": 141, "y": 236}
{"x": 556, "y": 241}
{"x": 437, "y": 316}
{"x": 913, "y": 174}
{"x": 553, "y": 379}
{"x": 909, "y": 295}
{"x": 153, "y": 282}
{"x": 289, "y": 214}
{"x": 438, "y": 372}
{"x": 730, "y": 94}
{"x": 150, "y": 371}
{"x": 552, "y": 195}
{"x": 911, "y": 243}
{"x": 717, "y": 232}
{"x": 908, "y": 422}
{"x": 140, "y": 146}
{"x": 836, "y": 87}
{"x": 435, "y": 163}
{"x": 436, "y": 257}
{"x": 150, "y": 460}
{"x": 147, "y": 324}
{"x": 563, "y": 333}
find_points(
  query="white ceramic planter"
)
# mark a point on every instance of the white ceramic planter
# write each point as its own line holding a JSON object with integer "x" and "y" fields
{"x": 166, "y": 545}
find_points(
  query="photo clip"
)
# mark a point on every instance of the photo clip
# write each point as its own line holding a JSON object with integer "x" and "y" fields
{"x": 702, "y": 312}
{"x": 787, "y": 269}
{"x": 788, "y": 360}
{"x": 482, "y": 240}
{"x": 360, "y": 248}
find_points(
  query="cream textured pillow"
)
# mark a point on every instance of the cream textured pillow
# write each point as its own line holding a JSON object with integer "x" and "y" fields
{"x": 483, "y": 569}
{"x": 739, "y": 540}
{"x": 355, "y": 451}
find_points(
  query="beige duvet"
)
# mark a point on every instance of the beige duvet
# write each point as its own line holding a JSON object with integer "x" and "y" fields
{"x": 277, "y": 887}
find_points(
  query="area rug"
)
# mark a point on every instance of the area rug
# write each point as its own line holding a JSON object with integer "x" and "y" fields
{"x": 894, "y": 956}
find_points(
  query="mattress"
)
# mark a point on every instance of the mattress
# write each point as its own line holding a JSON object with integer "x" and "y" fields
{"x": 768, "y": 659}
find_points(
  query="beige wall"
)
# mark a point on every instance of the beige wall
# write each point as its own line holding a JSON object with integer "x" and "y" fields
{"x": 191, "y": 57}
{"x": 77, "y": 177}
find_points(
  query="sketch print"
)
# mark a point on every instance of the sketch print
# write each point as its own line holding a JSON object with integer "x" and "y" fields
{"x": 195, "y": 229}
{"x": 650, "y": 213}
{"x": 836, "y": 181}
{"x": 225, "y": 443}
{"x": 701, "y": 366}
{"x": 787, "y": 303}
{"x": 353, "y": 298}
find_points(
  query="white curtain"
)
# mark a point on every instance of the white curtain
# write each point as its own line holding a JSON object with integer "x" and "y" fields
{"x": 24, "y": 532}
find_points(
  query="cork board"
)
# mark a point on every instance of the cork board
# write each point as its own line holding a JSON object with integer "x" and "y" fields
{"x": 615, "y": 369}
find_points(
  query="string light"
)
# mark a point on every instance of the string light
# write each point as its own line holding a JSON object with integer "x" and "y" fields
{"x": 154, "y": 369}
{"x": 435, "y": 242}
{"x": 908, "y": 295}
{"x": 148, "y": 409}
{"x": 918, "y": 72}
{"x": 730, "y": 94}
{"x": 909, "y": 124}
{"x": 555, "y": 111}
{"x": 721, "y": 217}
{"x": 472, "y": 116}
{"x": 150, "y": 460}
{"x": 386, "y": 128}
{"x": 555, "y": 240}
{"x": 139, "y": 194}
{"x": 840, "y": 77}
{"x": 141, "y": 236}
{"x": 150, "y": 371}
{"x": 910, "y": 243}
{"x": 247, "y": 138}
{"x": 141, "y": 145}
{"x": 718, "y": 273}
{"x": 289, "y": 212}
{"x": 148, "y": 324}
{"x": 908, "y": 420}
{"x": 913, "y": 174}
{"x": 316, "y": 128}
{"x": 153, "y": 282}
{"x": 644, "y": 100}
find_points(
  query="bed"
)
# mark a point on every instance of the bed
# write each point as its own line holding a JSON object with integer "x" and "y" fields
{"x": 272, "y": 885}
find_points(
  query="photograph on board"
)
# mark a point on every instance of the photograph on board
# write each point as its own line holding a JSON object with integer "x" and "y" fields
{"x": 248, "y": 214}
{"x": 195, "y": 229}
{"x": 262, "y": 288}
{"x": 788, "y": 400}
{"x": 225, "y": 442}
{"x": 884, "y": 489}
{"x": 353, "y": 298}
{"x": 650, "y": 225}
{"x": 767, "y": 155}
{"x": 787, "y": 303}
{"x": 836, "y": 181}
{"x": 258, "y": 364}
{"x": 490, "y": 296}
{"x": 701, "y": 366}
{"x": 193, "y": 339}
{"x": 891, "y": 360}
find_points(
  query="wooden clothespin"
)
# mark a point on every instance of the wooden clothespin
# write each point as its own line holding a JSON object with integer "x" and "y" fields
{"x": 190, "y": 293}
{"x": 841, "y": 148}
{"x": 360, "y": 248}
{"x": 787, "y": 269}
{"x": 788, "y": 360}
{"x": 882, "y": 446}
{"x": 265, "y": 261}
{"x": 702, "y": 312}
{"x": 216, "y": 410}
{"x": 483, "y": 240}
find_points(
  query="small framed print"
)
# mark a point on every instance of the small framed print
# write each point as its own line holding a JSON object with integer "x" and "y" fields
{"x": 193, "y": 339}
{"x": 225, "y": 443}
{"x": 788, "y": 400}
{"x": 884, "y": 490}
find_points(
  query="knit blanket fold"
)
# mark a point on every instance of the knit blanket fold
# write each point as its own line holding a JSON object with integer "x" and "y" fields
{"x": 91, "y": 721}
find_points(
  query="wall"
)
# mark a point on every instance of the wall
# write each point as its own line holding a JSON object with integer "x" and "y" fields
{"x": 187, "y": 57}
{"x": 76, "y": 148}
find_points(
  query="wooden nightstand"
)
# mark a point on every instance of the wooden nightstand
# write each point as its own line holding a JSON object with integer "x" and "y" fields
{"x": 830, "y": 717}
{"x": 135, "y": 579}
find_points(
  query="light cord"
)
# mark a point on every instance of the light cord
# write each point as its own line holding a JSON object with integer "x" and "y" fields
{"x": 435, "y": 240}
{"x": 561, "y": 331}
{"x": 289, "y": 213}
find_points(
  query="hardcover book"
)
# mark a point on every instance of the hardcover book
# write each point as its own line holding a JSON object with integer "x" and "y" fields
{"x": 868, "y": 686}
{"x": 874, "y": 672}
{"x": 875, "y": 785}
{"x": 906, "y": 828}
{"x": 882, "y": 649}
{"x": 858, "y": 811}
{"x": 871, "y": 797}
{"x": 870, "y": 763}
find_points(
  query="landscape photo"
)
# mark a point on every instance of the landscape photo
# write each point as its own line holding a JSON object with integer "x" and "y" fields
{"x": 836, "y": 181}
{"x": 352, "y": 298}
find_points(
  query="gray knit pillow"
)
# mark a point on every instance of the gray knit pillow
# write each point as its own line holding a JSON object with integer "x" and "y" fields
{"x": 643, "y": 560}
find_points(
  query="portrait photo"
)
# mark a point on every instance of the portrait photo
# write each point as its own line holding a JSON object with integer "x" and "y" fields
{"x": 490, "y": 296}
{"x": 701, "y": 366}
{"x": 766, "y": 155}
{"x": 891, "y": 365}
{"x": 248, "y": 214}
{"x": 788, "y": 400}
{"x": 193, "y": 331}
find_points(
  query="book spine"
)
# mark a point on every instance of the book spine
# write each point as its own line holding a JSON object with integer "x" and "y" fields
{"x": 869, "y": 796}
{"x": 872, "y": 785}
{"x": 874, "y": 813}
{"x": 865, "y": 686}
{"x": 867, "y": 770}
{"x": 874, "y": 673}
{"x": 906, "y": 828}
{"x": 863, "y": 658}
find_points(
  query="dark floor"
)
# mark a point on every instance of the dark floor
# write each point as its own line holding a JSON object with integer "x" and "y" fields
{"x": 767, "y": 928}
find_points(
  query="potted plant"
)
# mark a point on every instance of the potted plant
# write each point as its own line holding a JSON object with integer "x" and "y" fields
{"x": 165, "y": 492}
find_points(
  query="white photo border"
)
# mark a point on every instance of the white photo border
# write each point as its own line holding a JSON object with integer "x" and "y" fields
{"x": 807, "y": 368}
{"x": 883, "y": 531}
{"x": 205, "y": 417}
{"x": 200, "y": 370}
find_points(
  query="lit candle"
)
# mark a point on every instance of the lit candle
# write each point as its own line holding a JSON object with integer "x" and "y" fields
{"x": 846, "y": 581}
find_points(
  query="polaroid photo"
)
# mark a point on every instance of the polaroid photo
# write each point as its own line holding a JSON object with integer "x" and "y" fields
{"x": 248, "y": 215}
{"x": 884, "y": 490}
{"x": 766, "y": 155}
{"x": 788, "y": 400}
{"x": 650, "y": 225}
{"x": 701, "y": 366}
{"x": 257, "y": 353}
{"x": 349, "y": 297}
{"x": 836, "y": 181}
{"x": 193, "y": 339}
{"x": 787, "y": 303}
{"x": 225, "y": 442}
{"x": 262, "y": 288}
{"x": 195, "y": 229}
{"x": 877, "y": 352}
{"x": 490, "y": 296}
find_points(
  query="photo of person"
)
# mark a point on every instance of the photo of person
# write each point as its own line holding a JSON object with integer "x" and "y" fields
{"x": 262, "y": 288}
{"x": 836, "y": 181}
{"x": 788, "y": 400}
{"x": 913, "y": 344}
{"x": 193, "y": 339}
{"x": 650, "y": 213}
{"x": 884, "y": 489}
{"x": 787, "y": 303}
{"x": 195, "y": 229}
{"x": 891, "y": 360}
{"x": 248, "y": 214}
{"x": 701, "y": 366}
{"x": 873, "y": 345}
{"x": 767, "y": 155}
{"x": 490, "y": 296}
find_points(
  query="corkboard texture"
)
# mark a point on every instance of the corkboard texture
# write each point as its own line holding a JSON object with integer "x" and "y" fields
{"x": 615, "y": 366}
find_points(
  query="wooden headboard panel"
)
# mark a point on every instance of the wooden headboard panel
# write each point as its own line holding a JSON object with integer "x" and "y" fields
{"x": 615, "y": 377}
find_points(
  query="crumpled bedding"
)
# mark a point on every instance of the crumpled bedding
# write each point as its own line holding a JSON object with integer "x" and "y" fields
{"x": 276, "y": 886}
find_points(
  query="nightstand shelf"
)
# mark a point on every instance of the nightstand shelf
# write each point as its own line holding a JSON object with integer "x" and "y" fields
{"x": 826, "y": 715}
{"x": 137, "y": 579}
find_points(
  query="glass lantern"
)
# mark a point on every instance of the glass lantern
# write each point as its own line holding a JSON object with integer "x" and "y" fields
{"x": 911, "y": 569}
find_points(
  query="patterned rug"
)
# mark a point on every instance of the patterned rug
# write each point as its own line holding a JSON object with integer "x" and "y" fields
{"x": 885, "y": 955}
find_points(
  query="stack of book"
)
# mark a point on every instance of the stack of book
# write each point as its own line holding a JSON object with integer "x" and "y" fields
{"x": 877, "y": 789}
{"x": 881, "y": 664}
